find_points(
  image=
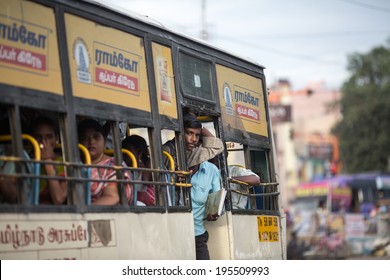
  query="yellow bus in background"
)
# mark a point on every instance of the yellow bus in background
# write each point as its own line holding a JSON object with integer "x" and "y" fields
{"x": 70, "y": 60}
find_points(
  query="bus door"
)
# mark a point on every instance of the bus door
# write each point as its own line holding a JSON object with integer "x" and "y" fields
{"x": 198, "y": 93}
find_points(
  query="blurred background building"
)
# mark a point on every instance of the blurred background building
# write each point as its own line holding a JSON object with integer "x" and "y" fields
{"x": 302, "y": 121}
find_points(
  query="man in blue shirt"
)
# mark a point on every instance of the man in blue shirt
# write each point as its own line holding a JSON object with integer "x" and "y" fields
{"x": 205, "y": 179}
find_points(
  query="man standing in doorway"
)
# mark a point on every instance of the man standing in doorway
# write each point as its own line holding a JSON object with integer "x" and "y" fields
{"x": 205, "y": 179}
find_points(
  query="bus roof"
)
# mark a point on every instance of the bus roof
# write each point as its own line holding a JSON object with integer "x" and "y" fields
{"x": 144, "y": 18}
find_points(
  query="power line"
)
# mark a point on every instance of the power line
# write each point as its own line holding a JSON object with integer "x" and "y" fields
{"x": 288, "y": 54}
{"x": 320, "y": 35}
{"x": 369, "y": 6}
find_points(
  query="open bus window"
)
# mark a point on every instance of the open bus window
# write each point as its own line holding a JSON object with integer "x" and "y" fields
{"x": 236, "y": 167}
{"x": 175, "y": 193}
{"x": 196, "y": 77}
{"x": 243, "y": 195}
{"x": 108, "y": 172}
{"x": 256, "y": 193}
{"x": 137, "y": 143}
{"x": 41, "y": 164}
{"x": 9, "y": 191}
{"x": 44, "y": 127}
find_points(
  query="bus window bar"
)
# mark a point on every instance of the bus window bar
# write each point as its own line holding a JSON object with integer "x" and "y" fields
{"x": 83, "y": 166}
{"x": 267, "y": 195}
{"x": 251, "y": 186}
{"x": 80, "y": 179}
{"x": 88, "y": 180}
{"x": 256, "y": 194}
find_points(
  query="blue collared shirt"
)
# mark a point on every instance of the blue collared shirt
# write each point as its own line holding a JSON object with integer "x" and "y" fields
{"x": 206, "y": 180}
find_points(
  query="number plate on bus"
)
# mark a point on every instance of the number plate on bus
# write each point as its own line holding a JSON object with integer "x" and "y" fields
{"x": 268, "y": 228}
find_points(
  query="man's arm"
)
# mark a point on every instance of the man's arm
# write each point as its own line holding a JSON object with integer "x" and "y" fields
{"x": 249, "y": 179}
{"x": 211, "y": 147}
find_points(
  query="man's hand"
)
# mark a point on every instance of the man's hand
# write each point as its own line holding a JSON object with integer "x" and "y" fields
{"x": 211, "y": 217}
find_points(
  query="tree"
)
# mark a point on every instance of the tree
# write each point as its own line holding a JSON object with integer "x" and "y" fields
{"x": 364, "y": 131}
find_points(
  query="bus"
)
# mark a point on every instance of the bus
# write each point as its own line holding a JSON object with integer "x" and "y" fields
{"x": 70, "y": 60}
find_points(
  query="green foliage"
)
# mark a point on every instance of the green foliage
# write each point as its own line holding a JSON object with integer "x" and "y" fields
{"x": 364, "y": 131}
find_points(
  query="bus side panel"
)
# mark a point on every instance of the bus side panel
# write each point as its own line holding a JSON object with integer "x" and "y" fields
{"x": 252, "y": 240}
{"x": 219, "y": 237}
{"x": 148, "y": 236}
{"x": 97, "y": 236}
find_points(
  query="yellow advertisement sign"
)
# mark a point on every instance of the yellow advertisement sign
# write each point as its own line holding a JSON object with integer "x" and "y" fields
{"x": 107, "y": 65}
{"x": 165, "y": 86}
{"x": 28, "y": 46}
{"x": 242, "y": 101}
{"x": 268, "y": 228}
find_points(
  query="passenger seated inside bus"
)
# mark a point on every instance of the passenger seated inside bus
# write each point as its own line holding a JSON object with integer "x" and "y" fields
{"x": 239, "y": 173}
{"x": 93, "y": 136}
{"x": 52, "y": 191}
{"x": 138, "y": 146}
{"x": 9, "y": 184}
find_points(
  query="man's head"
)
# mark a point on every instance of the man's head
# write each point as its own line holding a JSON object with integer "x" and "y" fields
{"x": 192, "y": 131}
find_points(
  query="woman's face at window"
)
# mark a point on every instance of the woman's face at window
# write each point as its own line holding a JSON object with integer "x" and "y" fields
{"x": 45, "y": 134}
{"x": 94, "y": 141}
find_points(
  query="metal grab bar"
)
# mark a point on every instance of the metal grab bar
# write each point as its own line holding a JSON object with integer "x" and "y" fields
{"x": 171, "y": 161}
{"x": 172, "y": 168}
{"x": 83, "y": 149}
{"x": 127, "y": 152}
{"x": 34, "y": 143}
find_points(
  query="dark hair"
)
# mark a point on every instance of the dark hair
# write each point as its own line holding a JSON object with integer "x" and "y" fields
{"x": 93, "y": 124}
{"x": 190, "y": 121}
{"x": 139, "y": 143}
{"x": 43, "y": 120}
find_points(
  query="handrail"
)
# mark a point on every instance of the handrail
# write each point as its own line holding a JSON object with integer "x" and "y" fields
{"x": 127, "y": 152}
{"x": 83, "y": 149}
{"x": 33, "y": 141}
{"x": 171, "y": 161}
{"x": 172, "y": 168}
{"x": 231, "y": 180}
{"x": 87, "y": 156}
{"x": 88, "y": 161}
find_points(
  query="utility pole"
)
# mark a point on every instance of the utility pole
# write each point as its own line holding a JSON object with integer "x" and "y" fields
{"x": 203, "y": 31}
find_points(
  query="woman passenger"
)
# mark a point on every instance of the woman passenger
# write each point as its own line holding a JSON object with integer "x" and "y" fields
{"x": 52, "y": 191}
{"x": 137, "y": 145}
{"x": 93, "y": 136}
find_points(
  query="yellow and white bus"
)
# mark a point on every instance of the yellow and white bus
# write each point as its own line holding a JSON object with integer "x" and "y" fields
{"x": 71, "y": 60}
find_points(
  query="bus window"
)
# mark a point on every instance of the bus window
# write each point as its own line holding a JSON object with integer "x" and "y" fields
{"x": 137, "y": 142}
{"x": 240, "y": 191}
{"x": 176, "y": 193}
{"x": 261, "y": 165}
{"x": 196, "y": 78}
{"x": 105, "y": 187}
{"x": 12, "y": 164}
{"x": 44, "y": 127}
